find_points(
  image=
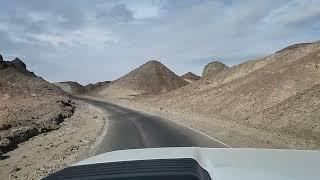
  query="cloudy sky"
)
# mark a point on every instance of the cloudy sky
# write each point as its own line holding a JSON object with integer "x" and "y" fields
{"x": 96, "y": 40}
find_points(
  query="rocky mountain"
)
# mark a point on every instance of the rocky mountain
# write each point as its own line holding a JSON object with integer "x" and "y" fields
{"x": 277, "y": 94}
{"x": 29, "y": 105}
{"x": 190, "y": 77}
{"x": 214, "y": 68}
{"x": 150, "y": 78}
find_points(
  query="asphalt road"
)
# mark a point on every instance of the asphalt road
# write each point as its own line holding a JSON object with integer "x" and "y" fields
{"x": 131, "y": 129}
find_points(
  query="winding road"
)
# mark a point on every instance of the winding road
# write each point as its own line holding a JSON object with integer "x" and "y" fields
{"x": 132, "y": 129}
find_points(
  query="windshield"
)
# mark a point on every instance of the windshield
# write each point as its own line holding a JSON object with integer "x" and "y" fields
{"x": 83, "y": 78}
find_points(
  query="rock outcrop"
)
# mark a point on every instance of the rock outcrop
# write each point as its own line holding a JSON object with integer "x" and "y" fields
{"x": 16, "y": 64}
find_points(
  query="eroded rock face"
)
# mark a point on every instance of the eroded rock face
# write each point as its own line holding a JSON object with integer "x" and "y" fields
{"x": 213, "y": 68}
{"x": 17, "y": 63}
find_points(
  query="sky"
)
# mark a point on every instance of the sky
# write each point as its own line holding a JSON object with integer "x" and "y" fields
{"x": 97, "y": 40}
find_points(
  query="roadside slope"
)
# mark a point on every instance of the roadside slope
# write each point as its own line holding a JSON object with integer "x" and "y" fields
{"x": 29, "y": 105}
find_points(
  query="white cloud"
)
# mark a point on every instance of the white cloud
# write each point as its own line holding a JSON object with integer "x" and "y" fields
{"x": 112, "y": 37}
{"x": 92, "y": 37}
{"x": 294, "y": 12}
{"x": 144, "y": 9}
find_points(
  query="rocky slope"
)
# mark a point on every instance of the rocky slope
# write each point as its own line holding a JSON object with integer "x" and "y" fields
{"x": 214, "y": 68}
{"x": 150, "y": 78}
{"x": 277, "y": 94}
{"x": 29, "y": 105}
{"x": 190, "y": 77}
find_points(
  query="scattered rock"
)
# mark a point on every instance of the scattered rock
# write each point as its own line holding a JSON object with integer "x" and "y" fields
{"x": 5, "y": 126}
{"x": 15, "y": 169}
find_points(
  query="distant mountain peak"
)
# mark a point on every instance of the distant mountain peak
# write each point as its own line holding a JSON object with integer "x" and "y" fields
{"x": 189, "y": 76}
{"x": 213, "y": 68}
{"x": 151, "y": 78}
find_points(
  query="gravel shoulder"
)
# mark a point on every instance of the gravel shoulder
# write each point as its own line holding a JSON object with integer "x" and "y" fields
{"x": 52, "y": 151}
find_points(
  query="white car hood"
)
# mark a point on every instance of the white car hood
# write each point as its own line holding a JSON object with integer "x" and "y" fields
{"x": 229, "y": 163}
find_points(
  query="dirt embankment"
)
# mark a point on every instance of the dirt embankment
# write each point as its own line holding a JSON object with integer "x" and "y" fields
{"x": 270, "y": 102}
{"x": 54, "y": 150}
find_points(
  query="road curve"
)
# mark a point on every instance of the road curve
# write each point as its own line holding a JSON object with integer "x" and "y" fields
{"x": 131, "y": 129}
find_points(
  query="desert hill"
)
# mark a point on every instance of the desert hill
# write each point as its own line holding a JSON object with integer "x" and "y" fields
{"x": 71, "y": 87}
{"x": 150, "y": 78}
{"x": 93, "y": 88}
{"x": 29, "y": 105}
{"x": 276, "y": 94}
{"x": 214, "y": 68}
{"x": 190, "y": 77}
{"x": 74, "y": 88}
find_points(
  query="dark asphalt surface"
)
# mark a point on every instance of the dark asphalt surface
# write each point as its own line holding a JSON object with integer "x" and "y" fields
{"x": 131, "y": 129}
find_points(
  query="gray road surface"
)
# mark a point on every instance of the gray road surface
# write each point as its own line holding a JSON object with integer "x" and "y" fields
{"x": 131, "y": 129}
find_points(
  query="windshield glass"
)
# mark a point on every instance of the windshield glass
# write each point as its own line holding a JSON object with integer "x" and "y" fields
{"x": 83, "y": 78}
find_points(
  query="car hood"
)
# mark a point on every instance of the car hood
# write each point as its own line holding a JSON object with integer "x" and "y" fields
{"x": 229, "y": 163}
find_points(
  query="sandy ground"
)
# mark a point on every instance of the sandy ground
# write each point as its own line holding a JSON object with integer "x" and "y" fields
{"x": 47, "y": 153}
{"x": 234, "y": 134}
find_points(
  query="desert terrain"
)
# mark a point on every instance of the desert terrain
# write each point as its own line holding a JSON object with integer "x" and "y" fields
{"x": 270, "y": 102}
